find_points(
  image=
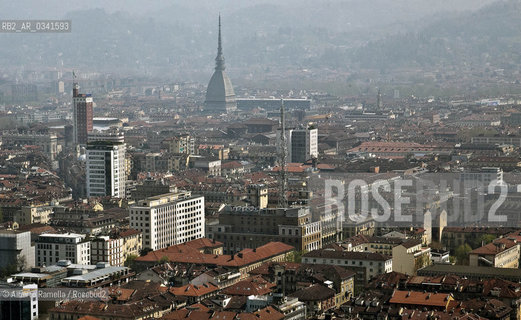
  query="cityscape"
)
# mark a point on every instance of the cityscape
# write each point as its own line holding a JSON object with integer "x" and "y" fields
{"x": 277, "y": 160}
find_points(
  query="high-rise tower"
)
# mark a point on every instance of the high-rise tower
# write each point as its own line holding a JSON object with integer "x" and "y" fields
{"x": 379, "y": 102}
{"x": 82, "y": 114}
{"x": 106, "y": 174}
{"x": 220, "y": 96}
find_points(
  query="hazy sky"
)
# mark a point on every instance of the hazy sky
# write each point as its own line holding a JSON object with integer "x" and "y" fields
{"x": 57, "y": 8}
{"x": 179, "y": 37}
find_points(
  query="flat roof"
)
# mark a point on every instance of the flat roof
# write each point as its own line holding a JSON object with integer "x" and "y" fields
{"x": 272, "y": 99}
{"x": 64, "y": 235}
{"x": 96, "y": 274}
{"x": 53, "y": 268}
{"x": 13, "y": 232}
{"x": 30, "y": 275}
{"x": 81, "y": 266}
{"x": 105, "y": 119}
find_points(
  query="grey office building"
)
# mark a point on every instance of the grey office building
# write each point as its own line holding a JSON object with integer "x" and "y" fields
{"x": 13, "y": 246}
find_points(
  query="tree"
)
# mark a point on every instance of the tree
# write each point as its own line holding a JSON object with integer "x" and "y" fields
{"x": 295, "y": 256}
{"x": 436, "y": 245}
{"x": 462, "y": 254}
{"x": 21, "y": 263}
{"x": 129, "y": 262}
{"x": 144, "y": 251}
{"x": 164, "y": 259}
{"x": 487, "y": 238}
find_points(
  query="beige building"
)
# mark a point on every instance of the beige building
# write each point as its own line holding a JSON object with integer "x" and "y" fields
{"x": 249, "y": 227}
{"x": 366, "y": 264}
{"x": 132, "y": 242}
{"x": 501, "y": 253}
{"x": 180, "y": 144}
{"x": 105, "y": 249}
{"x": 258, "y": 195}
{"x": 34, "y": 214}
{"x": 410, "y": 256}
{"x": 350, "y": 228}
{"x": 382, "y": 245}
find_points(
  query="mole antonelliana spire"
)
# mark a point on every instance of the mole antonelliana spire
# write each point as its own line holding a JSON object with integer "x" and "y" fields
{"x": 219, "y": 60}
{"x": 220, "y": 96}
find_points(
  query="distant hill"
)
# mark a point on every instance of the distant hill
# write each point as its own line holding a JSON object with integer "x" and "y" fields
{"x": 177, "y": 40}
{"x": 490, "y": 35}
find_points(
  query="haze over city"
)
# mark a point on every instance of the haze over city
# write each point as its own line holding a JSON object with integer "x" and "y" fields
{"x": 336, "y": 159}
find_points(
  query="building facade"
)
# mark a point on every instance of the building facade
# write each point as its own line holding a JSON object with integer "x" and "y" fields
{"x": 181, "y": 144}
{"x": 372, "y": 264}
{"x": 106, "y": 249}
{"x": 51, "y": 248}
{"x": 48, "y": 142}
{"x": 302, "y": 143}
{"x": 410, "y": 256}
{"x": 34, "y": 213}
{"x": 106, "y": 169}
{"x": 249, "y": 227}
{"x": 500, "y": 253}
{"x": 82, "y": 115}
{"x": 20, "y": 306}
{"x": 132, "y": 242}
{"x": 169, "y": 219}
{"x": 15, "y": 248}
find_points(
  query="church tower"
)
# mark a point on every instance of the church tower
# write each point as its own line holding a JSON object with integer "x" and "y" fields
{"x": 220, "y": 96}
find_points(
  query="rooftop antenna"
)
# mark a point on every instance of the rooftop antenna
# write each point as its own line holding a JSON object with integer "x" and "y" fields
{"x": 75, "y": 86}
{"x": 283, "y": 183}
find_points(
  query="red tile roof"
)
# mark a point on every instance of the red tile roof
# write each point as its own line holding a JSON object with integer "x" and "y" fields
{"x": 316, "y": 292}
{"x": 186, "y": 254}
{"x": 268, "y": 313}
{"x": 191, "y": 290}
{"x": 420, "y": 298}
{"x": 495, "y": 247}
{"x": 255, "y": 285}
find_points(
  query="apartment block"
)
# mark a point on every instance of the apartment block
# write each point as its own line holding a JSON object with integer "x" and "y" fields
{"x": 106, "y": 174}
{"x": 169, "y": 219}
{"x": 105, "y": 249}
{"x": 51, "y": 248}
{"x": 249, "y": 227}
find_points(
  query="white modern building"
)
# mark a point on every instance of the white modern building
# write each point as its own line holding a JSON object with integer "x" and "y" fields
{"x": 301, "y": 143}
{"x": 168, "y": 219}
{"x": 106, "y": 169}
{"x": 51, "y": 248}
{"x": 21, "y": 301}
